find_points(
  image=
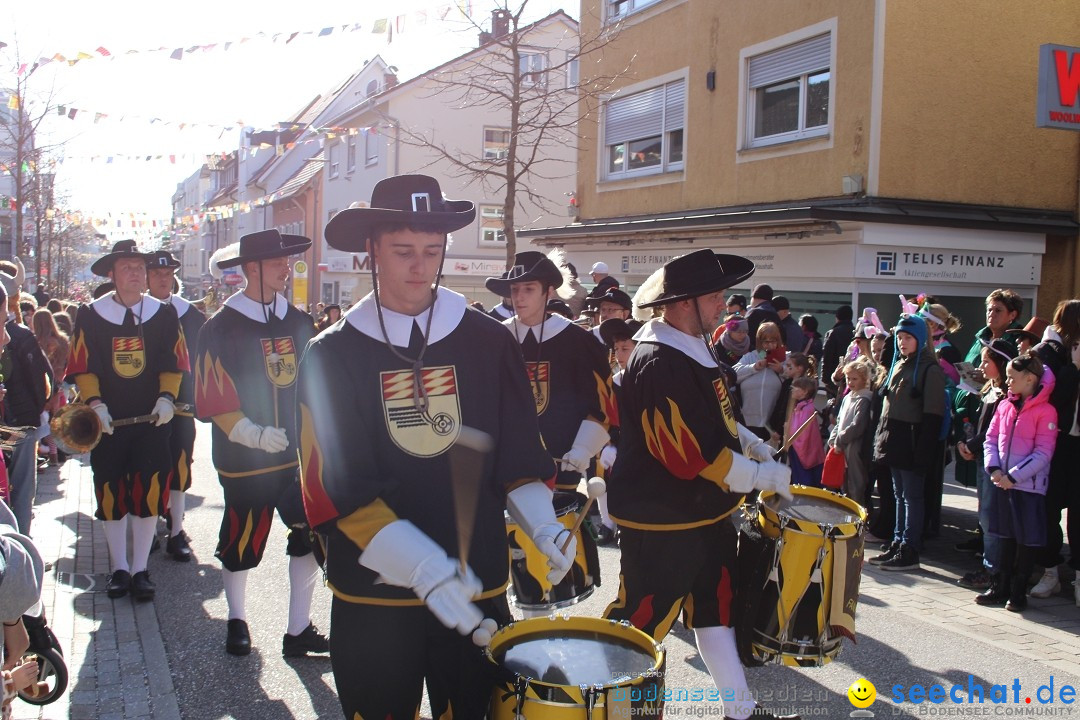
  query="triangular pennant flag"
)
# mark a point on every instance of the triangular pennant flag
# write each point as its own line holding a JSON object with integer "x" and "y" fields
{"x": 177, "y": 54}
{"x": 326, "y": 31}
{"x": 103, "y": 52}
{"x": 379, "y": 26}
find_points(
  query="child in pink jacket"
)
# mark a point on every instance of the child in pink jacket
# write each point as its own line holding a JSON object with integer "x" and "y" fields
{"x": 1019, "y": 444}
{"x": 807, "y": 453}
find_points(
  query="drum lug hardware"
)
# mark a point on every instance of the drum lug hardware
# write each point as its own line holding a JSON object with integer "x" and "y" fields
{"x": 589, "y": 694}
{"x": 521, "y": 686}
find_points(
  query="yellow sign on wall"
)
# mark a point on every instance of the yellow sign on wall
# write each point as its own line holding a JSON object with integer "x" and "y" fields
{"x": 300, "y": 282}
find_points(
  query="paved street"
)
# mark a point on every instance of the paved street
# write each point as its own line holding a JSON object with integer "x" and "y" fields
{"x": 166, "y": 660}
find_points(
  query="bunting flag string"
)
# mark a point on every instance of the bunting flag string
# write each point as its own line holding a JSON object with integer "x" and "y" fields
{"x": 380, "y": 26}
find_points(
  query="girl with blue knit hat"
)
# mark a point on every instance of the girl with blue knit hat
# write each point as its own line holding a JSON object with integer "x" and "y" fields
{"x": 907, "y": 434}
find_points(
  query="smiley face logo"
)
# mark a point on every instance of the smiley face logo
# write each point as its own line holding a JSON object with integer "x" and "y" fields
{"x": 862, "y": 693}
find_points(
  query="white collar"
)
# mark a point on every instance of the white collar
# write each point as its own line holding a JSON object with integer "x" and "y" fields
{"x": 253, "y": 310}
{"x": 181, "y": 305}
{"x": 617, "y": 378}
{"x": 449, "y": 306}
{"x": 596, "y": 334}
{"x": 113, "y": 310}
{"x": 554, "y": 325}
{"x": 658, "y": 331}
{"x": 503, "y": 311}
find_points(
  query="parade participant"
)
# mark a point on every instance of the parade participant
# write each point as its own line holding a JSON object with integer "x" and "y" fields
{"x": 384, "y": 395}
{"x": 618, "y": 336}
{"x": 245, "y": 381}
{"x": 160, "y": 274}
{"x": 684, "y": 466}
{"x": 612, "y": 304}
{"x": 127, "y": 359}
{"x": 567, "y": 370}
{"x": 504, "y": 310}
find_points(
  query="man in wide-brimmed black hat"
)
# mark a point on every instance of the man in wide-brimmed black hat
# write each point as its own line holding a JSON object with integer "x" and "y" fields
{"x": 684, "y": 466}
{"x": 612, "y": 304}
{"x": 568, "y": 372}
{"x": 245, "y": 382}
{"x": 128, "y": 358}
{"x": 384, "y": 395}
{"x": 161, "y": 268}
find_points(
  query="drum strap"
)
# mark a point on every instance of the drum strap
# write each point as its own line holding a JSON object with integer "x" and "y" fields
{"x": 589, "y": 694}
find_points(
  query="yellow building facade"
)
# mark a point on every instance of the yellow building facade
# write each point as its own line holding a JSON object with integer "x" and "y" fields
{"x": 855, "y": 149}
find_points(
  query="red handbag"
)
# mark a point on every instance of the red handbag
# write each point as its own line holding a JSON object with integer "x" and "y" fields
{"x": 832, "y": 475}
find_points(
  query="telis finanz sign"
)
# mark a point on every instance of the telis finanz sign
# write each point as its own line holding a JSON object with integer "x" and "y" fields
{"x": 1059, "y": 87}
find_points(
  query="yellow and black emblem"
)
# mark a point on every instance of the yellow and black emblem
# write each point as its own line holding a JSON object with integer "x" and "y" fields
{"x": 128, "y": 356}
{"x": 724, "y": 399}
{"x": 418, "y": 431}
{"x": 280, "y": 357}
{"x": 541, "y": 387}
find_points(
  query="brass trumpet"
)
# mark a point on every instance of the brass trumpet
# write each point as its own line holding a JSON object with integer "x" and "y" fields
{"x": 77, "y": 428}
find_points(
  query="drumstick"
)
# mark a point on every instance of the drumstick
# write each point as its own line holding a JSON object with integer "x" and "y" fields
{"x": 596, "y": 488}
{"x": 787, "y": 443}
{"x": 467, "y": 456}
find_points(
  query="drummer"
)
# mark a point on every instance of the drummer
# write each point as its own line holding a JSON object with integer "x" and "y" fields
{"x": 568, "y": 371}
{"x": 383, "y": 396}
{"x": 683, "y": 467}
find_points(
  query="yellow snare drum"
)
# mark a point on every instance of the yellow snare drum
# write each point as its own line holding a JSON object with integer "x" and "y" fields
{"x": 530, "y": 588}
{"x": 575, "y": 667}
{"x": 808, "y": 600}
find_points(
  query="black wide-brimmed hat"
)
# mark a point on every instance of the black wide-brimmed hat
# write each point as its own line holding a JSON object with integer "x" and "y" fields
{"x": 122, "y": 249}
{"x": 161, "y": 259}
{"x": 413, "y": 199}
{"x": 529, "y": 265}
{"x": 265, "y": 245}
{"x": 613, "y": 295}
{"x": 700, "y": 273}
{"x": 615, "y": 328}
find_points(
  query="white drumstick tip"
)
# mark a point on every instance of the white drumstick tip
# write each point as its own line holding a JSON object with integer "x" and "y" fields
{"x": 596, "y": 487}
{"x": 482, "y": 634}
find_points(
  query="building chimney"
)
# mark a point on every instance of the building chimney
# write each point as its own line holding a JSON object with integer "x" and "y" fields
{"x": 389, "y": 80}
{"x": 485, "y": 38}
{"x": 500, "y": 22}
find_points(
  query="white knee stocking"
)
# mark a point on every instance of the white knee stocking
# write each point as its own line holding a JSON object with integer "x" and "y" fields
{"x": 142, "y": 536}
{"x": 235, "y": 593}
{"x": 303, "y": 571}
{"x": 716, "y": 645}
{"x": 116, "y": 538}
{"x": 176, "y": 512}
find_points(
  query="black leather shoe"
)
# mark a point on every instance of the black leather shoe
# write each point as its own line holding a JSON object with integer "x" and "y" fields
{"x": 605, "y": 535}
{"x": 119, "y": 584}
{"x": 239, "y": 640}
{"x": 308, "y": 641}
{"x": 178, "y": 547}
{"x": 141, "y": 586}
{"x": 760, "y": 712}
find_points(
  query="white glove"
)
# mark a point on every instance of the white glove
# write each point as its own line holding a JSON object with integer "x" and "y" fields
{"x": 102, "y": 411}
{"x": 607, "y": 456}
{"x": 164, "y": 410}
{"x": 259, "y": 437}
{"x": 590, "y": 440}
{"x": 754, "y": 447}
{"x": 746, "y": 475}
{"x": 530, "y": 506}
{"x": 404, "y": 556}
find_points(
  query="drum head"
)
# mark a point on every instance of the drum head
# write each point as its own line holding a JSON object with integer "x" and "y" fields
{"x": 811, "y": 510}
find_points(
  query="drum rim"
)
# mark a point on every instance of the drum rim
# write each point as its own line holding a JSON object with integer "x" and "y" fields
{"x": 641, "y": 639}
{"x": 773, "y": 516}
{"x": 558, "y": 605}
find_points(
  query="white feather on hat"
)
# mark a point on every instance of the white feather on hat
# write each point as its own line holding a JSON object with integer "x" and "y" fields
{"x": 226, "y": 253}
{"x": 651, "y": 289}
{"x": 564, "y": 291}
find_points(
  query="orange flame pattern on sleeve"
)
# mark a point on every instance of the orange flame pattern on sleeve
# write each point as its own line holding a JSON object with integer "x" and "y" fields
{"x": 183, "y": 362}
{"x": 77, "y": 362}
{"x": 675, "y": 446}
{"x": 611, "y": 405}
{"x": 317, "y": 503}
{"x": 215, "y": 392}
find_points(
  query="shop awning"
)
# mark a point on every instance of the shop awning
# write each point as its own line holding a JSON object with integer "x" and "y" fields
{"x": 806, "y": 217}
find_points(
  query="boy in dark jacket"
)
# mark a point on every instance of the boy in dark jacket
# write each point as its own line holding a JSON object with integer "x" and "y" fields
{"x": 907, "y": 434}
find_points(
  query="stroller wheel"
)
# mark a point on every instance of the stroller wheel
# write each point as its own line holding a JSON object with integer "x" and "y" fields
{"x": 52, "y": 671}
